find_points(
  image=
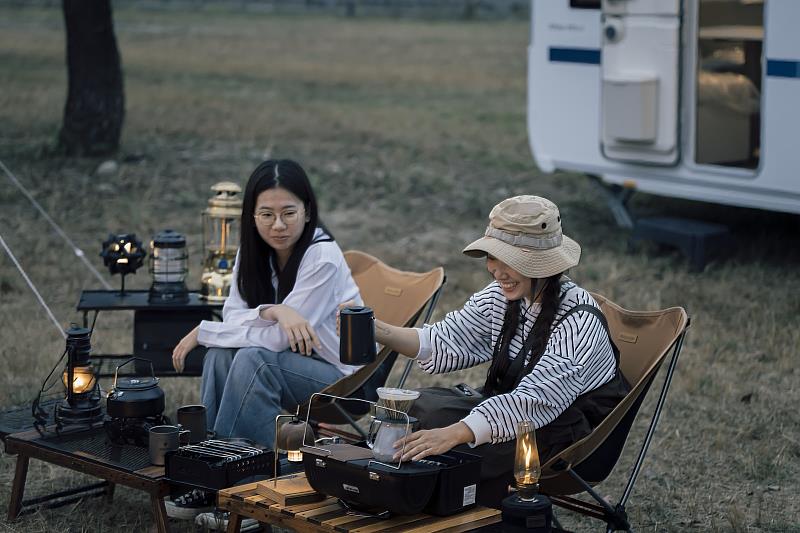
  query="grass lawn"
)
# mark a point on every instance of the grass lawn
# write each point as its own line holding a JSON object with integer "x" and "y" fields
{"x": 411, "y": 132}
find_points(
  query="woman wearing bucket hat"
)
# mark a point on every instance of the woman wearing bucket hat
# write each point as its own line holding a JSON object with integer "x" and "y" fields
{"x": 551, "y": 359}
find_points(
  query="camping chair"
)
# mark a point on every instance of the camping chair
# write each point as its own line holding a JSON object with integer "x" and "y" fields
{"x": 644, "y": 339}
{"x": 397, "y": 297}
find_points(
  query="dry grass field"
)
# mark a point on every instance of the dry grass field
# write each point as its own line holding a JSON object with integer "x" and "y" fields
{"x": 411, "y": 131}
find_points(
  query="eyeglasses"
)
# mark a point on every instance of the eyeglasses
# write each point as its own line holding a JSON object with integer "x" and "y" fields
{"x": 267, "y": 219}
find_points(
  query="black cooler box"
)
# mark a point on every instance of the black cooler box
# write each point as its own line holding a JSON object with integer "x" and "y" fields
{"x": 439, "y": 484}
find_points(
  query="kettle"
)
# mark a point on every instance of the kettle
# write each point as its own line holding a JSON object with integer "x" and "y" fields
{"x": 357, "y": 335}
{"x": 133, "y": 396}
{"x": 381, "y": 439}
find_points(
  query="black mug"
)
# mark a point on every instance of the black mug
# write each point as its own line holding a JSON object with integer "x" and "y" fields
{"x": 356, "y": 335}
{"x": 193, "y": 419}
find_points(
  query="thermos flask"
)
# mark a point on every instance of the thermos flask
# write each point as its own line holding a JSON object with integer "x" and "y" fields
{"x": 356, "y": 335}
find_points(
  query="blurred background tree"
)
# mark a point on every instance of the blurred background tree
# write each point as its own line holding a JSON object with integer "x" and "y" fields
{"x": 95, "y": 107}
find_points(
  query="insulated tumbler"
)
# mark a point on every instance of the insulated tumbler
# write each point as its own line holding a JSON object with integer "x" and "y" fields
{"x": 357, "y": 335}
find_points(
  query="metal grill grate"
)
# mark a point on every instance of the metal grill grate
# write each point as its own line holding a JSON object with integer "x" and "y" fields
{"x": 95, "y": 444}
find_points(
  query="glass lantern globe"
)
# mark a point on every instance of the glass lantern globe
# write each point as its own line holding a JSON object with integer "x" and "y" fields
{"x": 168, "y": 267}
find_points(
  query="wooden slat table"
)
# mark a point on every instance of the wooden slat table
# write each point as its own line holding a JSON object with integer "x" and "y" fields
{"x": 87, "y": 451}
{"x": 326, "y": 516}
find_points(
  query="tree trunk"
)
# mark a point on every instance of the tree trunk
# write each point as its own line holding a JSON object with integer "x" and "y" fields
{"x": 95, "y": 105}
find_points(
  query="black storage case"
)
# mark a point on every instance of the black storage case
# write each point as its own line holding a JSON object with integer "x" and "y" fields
{"x": 440, "y": 485}
{"x": 157, "y": 332}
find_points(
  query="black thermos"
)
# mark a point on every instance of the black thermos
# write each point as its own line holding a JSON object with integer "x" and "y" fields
{"x": 357, "y": 335}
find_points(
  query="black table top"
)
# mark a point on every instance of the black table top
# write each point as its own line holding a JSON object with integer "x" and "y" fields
{"x": 89, "y": 443}
{"x": 101, "y": 300}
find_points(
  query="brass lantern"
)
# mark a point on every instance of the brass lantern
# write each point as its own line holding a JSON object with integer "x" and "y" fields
{"x": 221, "y": 221}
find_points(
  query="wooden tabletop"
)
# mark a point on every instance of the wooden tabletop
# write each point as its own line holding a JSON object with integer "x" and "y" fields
{"x": 327, "y": 515}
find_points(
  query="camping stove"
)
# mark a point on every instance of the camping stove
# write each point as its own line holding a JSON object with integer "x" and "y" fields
{"x": 132, "y": 430}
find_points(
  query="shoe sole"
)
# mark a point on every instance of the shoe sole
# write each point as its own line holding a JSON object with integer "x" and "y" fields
{"x": 185, "y": 513}
{"x": 212, "y": 524}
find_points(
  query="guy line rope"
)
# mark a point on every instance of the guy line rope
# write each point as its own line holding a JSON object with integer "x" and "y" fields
{"x": 77, "y": 251}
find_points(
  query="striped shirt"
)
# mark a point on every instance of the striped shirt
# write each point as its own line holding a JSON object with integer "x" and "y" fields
{"x": 578, "y": 358}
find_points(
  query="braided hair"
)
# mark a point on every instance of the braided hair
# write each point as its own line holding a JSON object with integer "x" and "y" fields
{"x": 501, "y": 359}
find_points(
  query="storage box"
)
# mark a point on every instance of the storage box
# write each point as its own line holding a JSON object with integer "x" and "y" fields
{"x": 440, "y": 484}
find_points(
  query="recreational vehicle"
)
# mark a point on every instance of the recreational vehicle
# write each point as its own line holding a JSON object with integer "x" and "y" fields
{"x": 695, "y": 99}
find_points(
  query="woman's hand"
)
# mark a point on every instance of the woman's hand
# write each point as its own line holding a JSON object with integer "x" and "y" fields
{"x": 302, "y": 337}
{"x": 186, "y": 345}
{"x": 425, "y": 442}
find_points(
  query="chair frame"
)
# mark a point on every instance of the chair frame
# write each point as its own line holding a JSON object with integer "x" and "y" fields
{"x": 616, "y": 517}
{"x": 428, "y": 308}
{"x": 387, "y": 356}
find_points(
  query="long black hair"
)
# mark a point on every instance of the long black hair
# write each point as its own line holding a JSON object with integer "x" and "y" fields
{"x": 255, "y": 256}
{"x": 501, "y": 359}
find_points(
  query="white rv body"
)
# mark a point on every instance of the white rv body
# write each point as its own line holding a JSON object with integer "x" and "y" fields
{"x": 696, "y": 99}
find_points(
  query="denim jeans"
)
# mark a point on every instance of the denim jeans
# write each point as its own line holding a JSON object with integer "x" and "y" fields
{"x": 245, "y": 389}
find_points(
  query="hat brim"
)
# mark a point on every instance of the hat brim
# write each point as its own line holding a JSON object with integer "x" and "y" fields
{"x": 528, "y": 261}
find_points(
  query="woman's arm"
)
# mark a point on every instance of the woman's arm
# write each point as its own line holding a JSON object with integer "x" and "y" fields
{"x": 578, "y": 358}
{"x": 291, "y": 324}
{"x": 186, "y": 345}
{"x": 423, "y": 443}
{"x": 402, "y": 340}
{"x": 462, "y": 339}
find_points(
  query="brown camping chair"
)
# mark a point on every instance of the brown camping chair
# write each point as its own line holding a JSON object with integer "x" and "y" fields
{"x": 397, "y": 297}
{"x": 644, "y": 339}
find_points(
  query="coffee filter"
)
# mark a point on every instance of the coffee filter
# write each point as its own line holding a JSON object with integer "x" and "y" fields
{"x": 397, "y": 399}
{"x": 393, "y": 393}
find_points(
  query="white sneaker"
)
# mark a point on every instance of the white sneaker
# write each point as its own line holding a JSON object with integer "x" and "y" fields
{"x": 218, "y": 521}
{"x": 189, "y": 505}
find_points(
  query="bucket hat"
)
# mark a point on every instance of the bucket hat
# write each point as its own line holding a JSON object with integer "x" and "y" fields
{"x": 524, "y": 232}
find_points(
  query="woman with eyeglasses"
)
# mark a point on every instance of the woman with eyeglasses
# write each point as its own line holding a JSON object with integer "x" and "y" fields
{"x": 277, "y": 343}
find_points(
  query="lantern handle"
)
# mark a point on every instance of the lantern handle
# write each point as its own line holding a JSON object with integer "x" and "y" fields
{"x": 116, "y": 371}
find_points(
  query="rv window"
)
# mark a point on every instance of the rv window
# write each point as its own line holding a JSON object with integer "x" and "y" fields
{"x": 584, "y": 4}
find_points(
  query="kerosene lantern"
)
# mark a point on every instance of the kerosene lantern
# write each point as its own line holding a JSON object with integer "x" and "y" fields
{"x": 82, "y": 402}
{"x": 123, "y": 255}
{"x": 168, "y": 267}
{"x": 221, "y": 221}
{"x": 527, "y": 511}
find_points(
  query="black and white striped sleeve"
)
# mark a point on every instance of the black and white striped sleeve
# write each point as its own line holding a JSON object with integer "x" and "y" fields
{"x": 463, "y": 338}
{"x": 578, "y": 358}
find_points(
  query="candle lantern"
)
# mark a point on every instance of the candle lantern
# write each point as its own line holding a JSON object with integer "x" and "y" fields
{"x": 168, "y": 267}
{"x": 526, "y": 461}
{"x": 527, "y": 510}
{"x": 82, "y": 402}
{"x": 221, "y": 221}
{"x": 123, "y": 255}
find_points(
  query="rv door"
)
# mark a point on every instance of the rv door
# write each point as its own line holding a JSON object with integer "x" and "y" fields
{"x": 640, "y": 66}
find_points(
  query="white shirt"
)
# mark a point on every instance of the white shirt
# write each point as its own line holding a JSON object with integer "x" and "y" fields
{"x": 323, "y": 282}
{"x": 578, "y": 358}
